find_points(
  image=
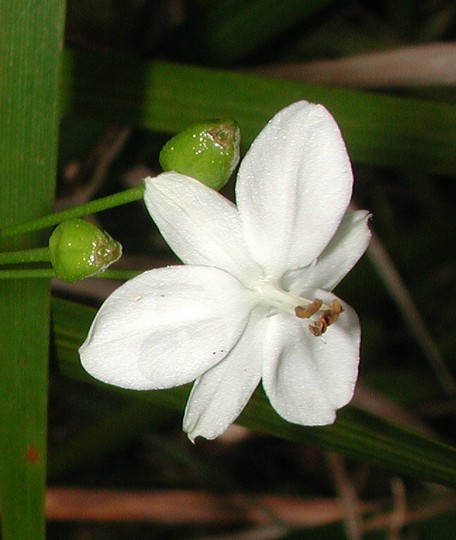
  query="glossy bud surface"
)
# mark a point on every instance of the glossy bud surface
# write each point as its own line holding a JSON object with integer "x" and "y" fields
{"x": 207, "y": 151}
{"x": 78, "y": 249}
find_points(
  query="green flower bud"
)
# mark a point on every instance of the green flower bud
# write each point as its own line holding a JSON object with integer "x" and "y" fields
{"x": 78, "y": 250}
{"x": 207, "y": 151}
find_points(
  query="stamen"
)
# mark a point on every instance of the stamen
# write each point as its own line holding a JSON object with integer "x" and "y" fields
{"x": 318, "y": 328}
{"x": 307, "y": 312}
{"x": 327, "y": 318}
{"x": 335, "y": 310}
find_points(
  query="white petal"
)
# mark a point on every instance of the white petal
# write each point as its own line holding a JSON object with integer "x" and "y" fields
{"x": 336, "y": 353}
{"x": 199, "y": 224}
{"x": 166, "y": 327}
{"x": 290, "y": 377}
{"x": 220, "y": 394}
{"x": 307, "y": 377}
{"x": 293, "y": 187}
{"x": 338, "y": 258}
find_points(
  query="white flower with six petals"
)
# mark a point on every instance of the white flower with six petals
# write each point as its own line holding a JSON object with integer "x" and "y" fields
{"x": 245, "y": 307}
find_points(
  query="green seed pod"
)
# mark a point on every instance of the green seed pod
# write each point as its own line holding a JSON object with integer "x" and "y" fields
{"x": 78, "y": 250}
{"x": 207, "y": 151}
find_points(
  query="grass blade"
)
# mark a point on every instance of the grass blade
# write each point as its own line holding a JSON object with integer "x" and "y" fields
{"x": 30, "y": 50}
{"x": 379, "y": 130}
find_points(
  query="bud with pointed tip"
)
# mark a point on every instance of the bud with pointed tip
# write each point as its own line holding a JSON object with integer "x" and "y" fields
{"x": 78, "y": 250}
{"x": 207, "y": 151}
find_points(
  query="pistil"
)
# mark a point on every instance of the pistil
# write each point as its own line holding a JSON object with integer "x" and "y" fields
{"x": 302, "y": 307}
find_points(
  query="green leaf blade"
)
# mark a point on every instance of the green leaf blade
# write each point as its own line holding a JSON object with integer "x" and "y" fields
{"x": 30, "y": 50}
{"x": 378, "y": 129}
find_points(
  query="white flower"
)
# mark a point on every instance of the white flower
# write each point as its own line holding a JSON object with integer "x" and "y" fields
{"x": 241, "y": 310}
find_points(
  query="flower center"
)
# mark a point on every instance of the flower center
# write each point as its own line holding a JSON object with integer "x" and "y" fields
{"x": 302, "y": 308}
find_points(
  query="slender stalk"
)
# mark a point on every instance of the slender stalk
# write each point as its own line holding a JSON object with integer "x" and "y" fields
{"x": 111, "y": 201}
{"x": 118, "y": 274}
{"x": 40, "y": 273}
{"x": 27, "y": 273}
{"x": 25, "y": 256}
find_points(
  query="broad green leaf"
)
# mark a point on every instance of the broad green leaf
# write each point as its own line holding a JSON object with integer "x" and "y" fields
{"x": 379, "y": 129}
{"x": 30, "y": 53}
{"x": 355, "y": 433}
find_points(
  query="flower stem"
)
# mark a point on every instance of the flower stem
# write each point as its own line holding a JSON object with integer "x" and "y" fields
{"x": 118, "y": 274}
{"x": 25, "y": 256}
{"x": 111, "y": 201}
{"x": 27, "y": 273}
{"x": 40, "y": 273}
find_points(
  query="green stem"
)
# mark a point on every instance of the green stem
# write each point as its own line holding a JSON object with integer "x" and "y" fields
{"x": 117, "y": 274}
{"x": 111, "y": 201}
{"x": 40, "y": 273}
{"x": 25, "y": 256}
{"x": 27, "y": 273}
